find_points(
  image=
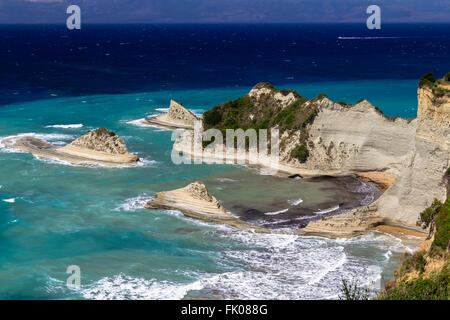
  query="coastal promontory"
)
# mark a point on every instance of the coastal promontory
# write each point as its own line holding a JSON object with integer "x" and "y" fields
{"x": 406, "y": 158}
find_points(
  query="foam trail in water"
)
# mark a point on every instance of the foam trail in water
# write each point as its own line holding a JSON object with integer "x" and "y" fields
{"x": 327, "y": 210}
{"x": 276, "y": 212}
{"x": 295, "y": 202}
{"x": 366, "y": 38}
{"x": 143, "y": 123}
{"x": 65, "y": 126}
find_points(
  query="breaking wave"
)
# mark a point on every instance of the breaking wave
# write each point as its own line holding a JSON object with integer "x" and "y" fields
{"x": 135, "y": 203}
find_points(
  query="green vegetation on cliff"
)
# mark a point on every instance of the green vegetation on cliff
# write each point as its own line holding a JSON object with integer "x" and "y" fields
{"x": 447, "y": 77}
{"x": 266, "y": 112}
{"x": 429, "y": 80}
{"x": 435, "y": 286}
{"x": 246, "y": 113}
{"x": 441, "y": 243}
{"x": 437, "y": 217}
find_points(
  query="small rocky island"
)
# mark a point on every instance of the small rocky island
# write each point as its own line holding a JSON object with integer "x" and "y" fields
{"x": 195, "y": 201}
{"x": 99, "y": 146}
{"x": 178, "y": 117}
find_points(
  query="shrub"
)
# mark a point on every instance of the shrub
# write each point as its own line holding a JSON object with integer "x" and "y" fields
{"x": 212, "y": 117}
{"x": 421, "y": 262}
{"x": 427, "y": 78}
{"x": 322, "y": 95}
{"x": 301, "y": 153}
{"x": 441, "y": 241}
{"x": 310, "y": 118}
{"x": 447, "y": 77}
{"x": 439, "y": 215}
{"x": 427, "y": 215}
{"x": 353, "y": 291}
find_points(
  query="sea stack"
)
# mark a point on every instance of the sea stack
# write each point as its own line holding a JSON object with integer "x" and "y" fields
{"x": 178, "y": 117}
{"x": 195, "y": 201}
{"x": 99, "y": 146}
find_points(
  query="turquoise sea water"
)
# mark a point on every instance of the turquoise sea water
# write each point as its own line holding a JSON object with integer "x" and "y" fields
{"x": 53, "y": 215}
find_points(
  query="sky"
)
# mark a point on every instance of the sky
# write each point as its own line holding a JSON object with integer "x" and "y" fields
{"x": 223, "y": 11}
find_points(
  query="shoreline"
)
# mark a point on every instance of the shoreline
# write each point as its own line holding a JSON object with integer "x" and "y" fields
{"x": 348, "y": 193}
{"x": 400, "y": 232}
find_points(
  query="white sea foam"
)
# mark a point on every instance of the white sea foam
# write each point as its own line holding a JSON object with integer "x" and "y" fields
{"x": 65, "y": 126}
{"x": 295, "y": 202}
{"x": 366, "y": 38}
{"x": 276, "y": 212}
{"x": 226, "y": 180}
{"x": 162, "y": 109}
{"x": 265, "y": 266}
{"x": 51, "y": 137}
{"x": 143, "y": 163}
{"x": 139, "y": 122}
{"x": 281, "y": 267}
{"x": 123, "y": 287}
{"x": 327, "y": 210}
{"x": 143, "y": 123}
{"x": 12, "y": 200}
{"x": 135, "y": 203}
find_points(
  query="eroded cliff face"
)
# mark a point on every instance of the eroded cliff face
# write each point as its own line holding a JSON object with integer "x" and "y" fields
{"x": 357, "y": 138}
{"x": 346, "y": 139}
{"x": 422, "y": 176}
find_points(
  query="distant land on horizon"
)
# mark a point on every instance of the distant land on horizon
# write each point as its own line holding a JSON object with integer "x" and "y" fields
{"x": 230, "y": 11}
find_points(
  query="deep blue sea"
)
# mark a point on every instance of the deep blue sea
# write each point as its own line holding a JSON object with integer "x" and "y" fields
{"x": 56, "y": 84}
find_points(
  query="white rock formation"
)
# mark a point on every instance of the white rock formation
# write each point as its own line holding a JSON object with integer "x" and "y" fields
{"x": 177, "y": 117}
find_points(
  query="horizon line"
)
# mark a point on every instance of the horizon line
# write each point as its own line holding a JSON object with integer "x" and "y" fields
{"x": 227, "y": 23}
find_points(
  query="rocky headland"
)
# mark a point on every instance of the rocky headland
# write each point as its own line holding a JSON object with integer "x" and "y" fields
{"x": 195, "y": 201}
{"x": 178, "y": 117}
{"x": 405, "y": 158}
{"x": 97, "y": 147}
